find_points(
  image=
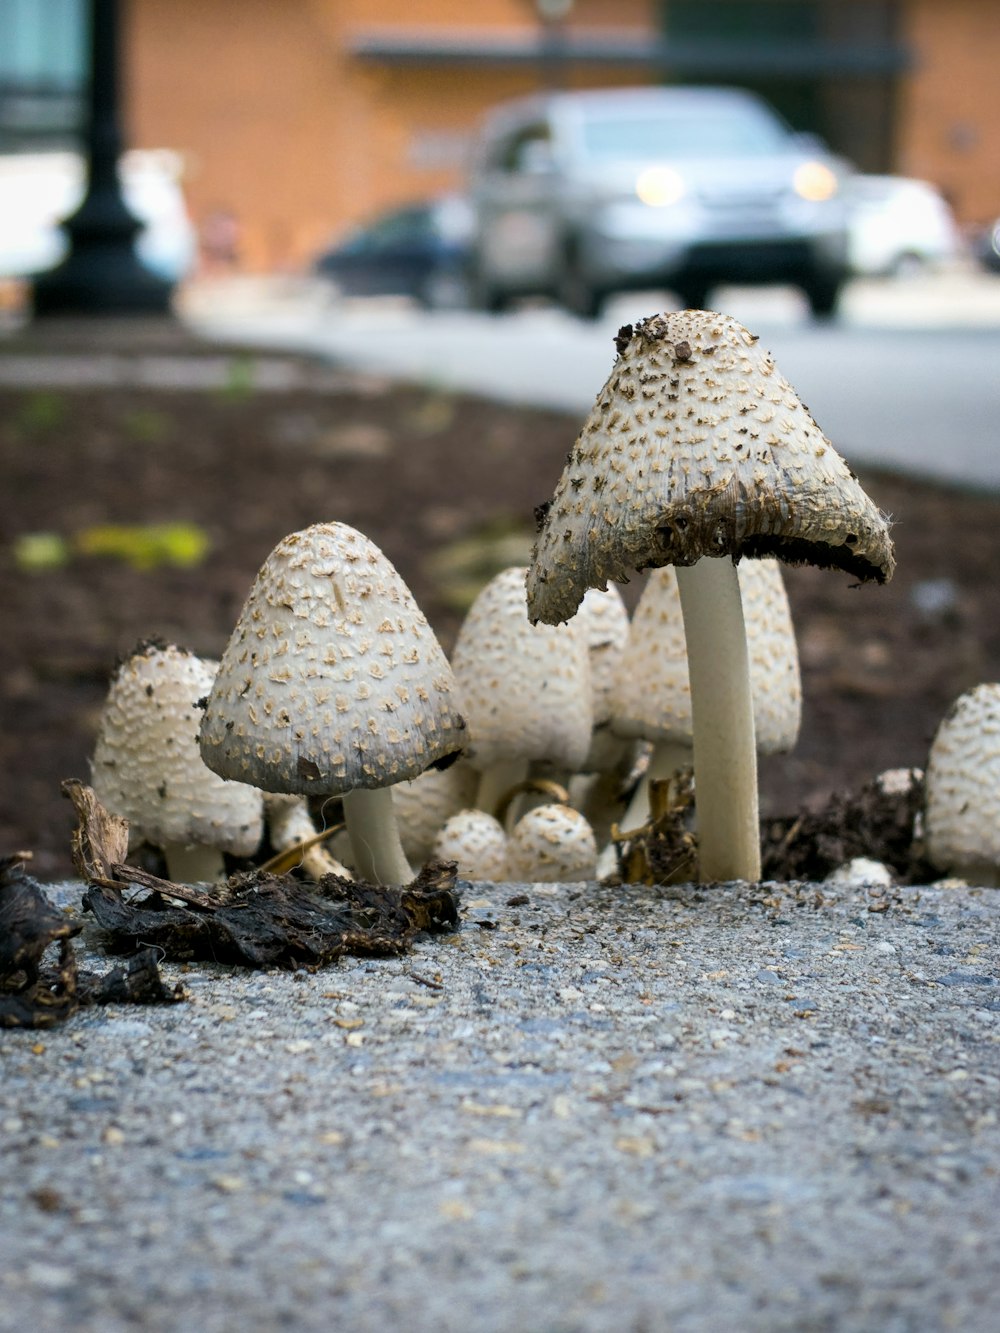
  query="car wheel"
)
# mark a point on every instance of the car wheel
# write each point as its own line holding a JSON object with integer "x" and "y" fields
{"x": 575, "y": 294}
{"x": 908, "y": 265}
{"x": 444, "y": 289}
{"x": 823, "y": 294}
{"x": 482, "y": 295}
{"x": 694, "y": 294}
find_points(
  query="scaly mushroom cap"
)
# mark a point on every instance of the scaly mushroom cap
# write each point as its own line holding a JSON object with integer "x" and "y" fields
{"x": 698, "y": 446}
{"x": 476, "y": 841}
{"x": 332, "y": 679}
{"x": 524, "y": 689}
{"x": 551, "y": 843}
{"x": 963, "y": 784}
{"x": 146, "y": 765}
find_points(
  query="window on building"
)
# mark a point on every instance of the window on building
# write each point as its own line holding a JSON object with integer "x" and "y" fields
{"x": 829, "y": 66}
{"x": 43, "y": 68}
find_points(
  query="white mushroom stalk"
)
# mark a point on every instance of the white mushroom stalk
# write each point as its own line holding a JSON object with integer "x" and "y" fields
{"x": 725, "y": 749}
{"x": 146, "y": 766}
{"x": 696, "y": 453}
{"x": 333, "y": 683}
{"x": 653, "y": 690}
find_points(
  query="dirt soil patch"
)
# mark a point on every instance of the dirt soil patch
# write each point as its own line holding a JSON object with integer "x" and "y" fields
{"x": 136, "y": 511}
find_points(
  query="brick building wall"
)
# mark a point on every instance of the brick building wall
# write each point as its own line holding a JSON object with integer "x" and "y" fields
{"x": 291, "y": 116}
{"x": 949, "y": 111}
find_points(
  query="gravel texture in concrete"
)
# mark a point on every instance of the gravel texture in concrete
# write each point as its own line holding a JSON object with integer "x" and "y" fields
{"x": 737, "y": 1107}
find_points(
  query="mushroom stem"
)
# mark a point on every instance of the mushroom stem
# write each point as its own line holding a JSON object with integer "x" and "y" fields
{"x": 290, "y": 825}
{"x": 375, "y": 846}
{"x": 725, "y": 753}
{"x": 497, "y": 780}
{"x": 667, "y": 758}
{"x": 194, "y": 864}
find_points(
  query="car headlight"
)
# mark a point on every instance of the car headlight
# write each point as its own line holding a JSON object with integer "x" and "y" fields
{"x": 815, "y": 182}
{"x": 659, "y": 187}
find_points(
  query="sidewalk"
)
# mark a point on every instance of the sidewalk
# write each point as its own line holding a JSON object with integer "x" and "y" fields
{"x": 752, "y": 1108}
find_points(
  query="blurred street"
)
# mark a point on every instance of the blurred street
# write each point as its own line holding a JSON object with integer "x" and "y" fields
{"x": 906, "y": 377}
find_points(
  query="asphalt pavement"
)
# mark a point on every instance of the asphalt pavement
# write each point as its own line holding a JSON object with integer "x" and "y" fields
{"x": 591, "y": 1110}
{"x": 906, "y": 377}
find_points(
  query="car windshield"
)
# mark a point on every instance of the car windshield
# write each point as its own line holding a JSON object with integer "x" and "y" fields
{"x": 695, "y": 132}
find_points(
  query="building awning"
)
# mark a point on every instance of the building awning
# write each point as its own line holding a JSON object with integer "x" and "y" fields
{"x": 650, "y": 53}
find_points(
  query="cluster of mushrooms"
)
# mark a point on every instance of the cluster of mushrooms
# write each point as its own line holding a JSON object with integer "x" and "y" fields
{"x": 697, "y": 462}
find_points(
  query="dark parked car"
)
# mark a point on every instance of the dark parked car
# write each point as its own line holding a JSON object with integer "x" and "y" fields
{"x": 417, "y": 251}
{"x": 581, "y": 194}
{"x": 986, "y": 247}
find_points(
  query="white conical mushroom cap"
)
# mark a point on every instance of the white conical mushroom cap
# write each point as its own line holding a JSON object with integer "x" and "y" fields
{"x": 605, "y": 621}
{"x": 652, "y": 694}
{"x": 775, "y": 681}
{"x": 552, "y": 843}
{"x": 147, "y": 767}
{"x": 422, "y": 805}
{"x": 963, "y": 786}
{"x": 524, "y": 689}
{"x": 332, "y": 679}
{"x": 476, "y": 841}
{"x": 698, "y": 446}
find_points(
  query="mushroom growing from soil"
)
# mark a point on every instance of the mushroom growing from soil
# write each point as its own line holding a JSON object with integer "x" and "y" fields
{"x": 652, "y": 698}
{"x": 524, "y": 689}
{"x": 550, "y": 844}
{"x": 476, "y": 842}
{"x": 334, "y": 684}
{"x": 147, "y": 769}
{"x": 962, "y": 794}
{"x": 698, "y": 453}
{"x": 422, "y": 804}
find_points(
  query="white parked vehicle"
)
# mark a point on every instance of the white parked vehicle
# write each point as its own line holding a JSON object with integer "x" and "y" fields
{"x": 40, "y": 190}
{"x": 898, "y": 225}
{"x": 579, "y": 195}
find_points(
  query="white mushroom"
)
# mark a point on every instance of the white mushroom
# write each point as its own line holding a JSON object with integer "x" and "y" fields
{"x": 552, "y": 844}
{"x": 859, "y": 872}
{"x": 524, "y": 689}
{"x": 334, "y": 683}
{"x": 962, "y": 811}
{"x": 652, "y": 696}
{"x": 476, "y": 841}
{"x": 696, "y": 454}
{"x": 424, "y": 803}
{"x": 651, "y": 699}
{"x": 605, "y": 622}
{"x": 147, "y": 769}
{"x": 289, "y": 824}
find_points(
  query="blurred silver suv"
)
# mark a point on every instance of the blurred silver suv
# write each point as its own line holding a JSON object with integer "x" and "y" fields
{"x": 577, "y": 195}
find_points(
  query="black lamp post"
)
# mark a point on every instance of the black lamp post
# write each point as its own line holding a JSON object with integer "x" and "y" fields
{"x": 101, "y": 274}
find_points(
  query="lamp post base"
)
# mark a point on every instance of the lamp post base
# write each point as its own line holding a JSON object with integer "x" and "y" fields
{"x": 101, "y": 279}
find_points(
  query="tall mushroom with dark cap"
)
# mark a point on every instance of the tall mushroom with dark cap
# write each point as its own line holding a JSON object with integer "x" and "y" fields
{"x": 699, "y": 453}
{"x": 334, "y": 684}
